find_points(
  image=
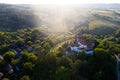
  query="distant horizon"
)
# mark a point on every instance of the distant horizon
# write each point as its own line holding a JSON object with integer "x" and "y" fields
{"x": 65, "y": 4}
{"x": 61, "y": 2}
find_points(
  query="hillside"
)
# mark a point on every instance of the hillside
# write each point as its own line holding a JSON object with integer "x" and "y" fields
{"x": 13, "y": 17}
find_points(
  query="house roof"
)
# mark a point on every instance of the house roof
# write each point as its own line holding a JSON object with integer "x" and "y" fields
{"x": 9, "y": 68}
{"x": 29, "y": 48}
{"x": 75, "y": 48}
{"x": 88, "y": 51}
{"x": 1, "y": 57}
{"x": 1, "y": 75}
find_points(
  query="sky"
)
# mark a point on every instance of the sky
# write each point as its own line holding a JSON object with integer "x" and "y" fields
{"x": 58, "y": 1}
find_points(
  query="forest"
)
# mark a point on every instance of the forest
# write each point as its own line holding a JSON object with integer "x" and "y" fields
{"x": 86, "y": 49}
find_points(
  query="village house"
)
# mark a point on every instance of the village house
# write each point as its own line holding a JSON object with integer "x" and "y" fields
{"x": 1, "y": 75}
{"x": 9, "y": 68}
{"x": 80, "y": 44}
{"x": 1, "y": 57}
{"x": 29, "y": 48}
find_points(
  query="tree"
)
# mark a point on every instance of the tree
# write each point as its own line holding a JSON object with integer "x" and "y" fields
{"x": 8, "y": 56}
{"x": 32, "y": 57}
{"x": 102, "y": 60}
{"x": 65, "y": 61}
{"x": 77, "y": 66}
{"x": 5, "y": 79}
{"x": 28, "y": 66}
{"x": 117, "y": 34}
{"x": 29, "y": 43}
{"x": 28, "y": 57}
{"x": 114, "y": 49}
{"x": 46, "y": 47}
{"x": 25, "y": 77}
{"x": 24, "y": 57}
{"x": 2, "y": 64}
{"x": 62, "y": 73}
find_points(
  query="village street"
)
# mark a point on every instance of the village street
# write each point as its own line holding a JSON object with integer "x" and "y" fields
{"x": 118, "y": 72}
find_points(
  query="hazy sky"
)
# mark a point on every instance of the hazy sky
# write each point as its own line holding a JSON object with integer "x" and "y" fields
{"x": 58, "y": 1}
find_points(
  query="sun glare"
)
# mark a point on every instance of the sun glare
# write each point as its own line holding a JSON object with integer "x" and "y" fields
{"x": 58, "y": 1}
{"x": 56, "y": 17}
